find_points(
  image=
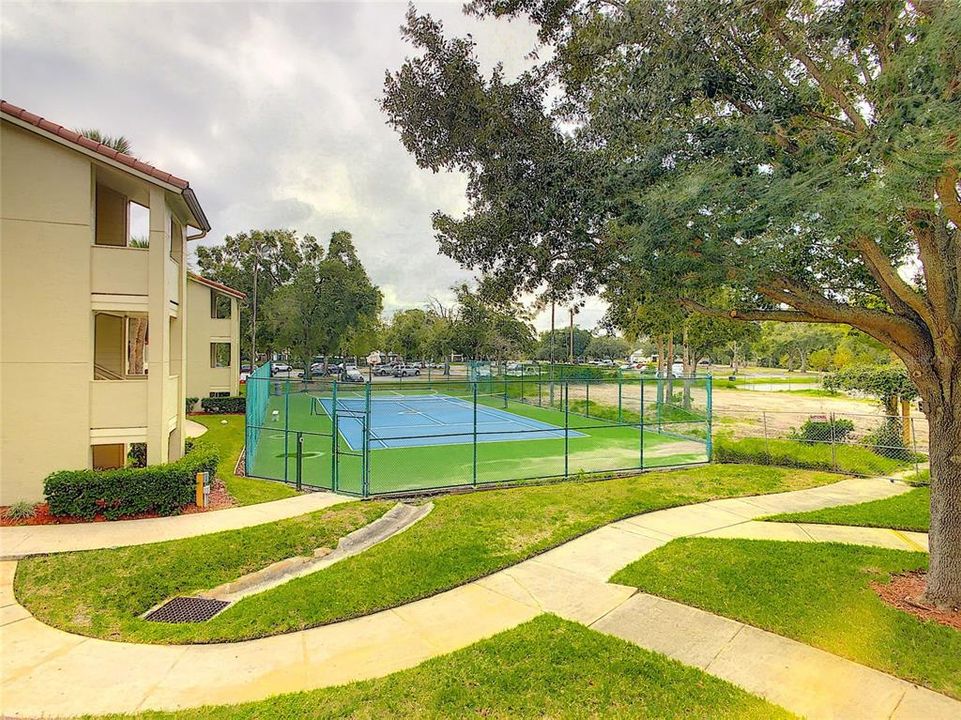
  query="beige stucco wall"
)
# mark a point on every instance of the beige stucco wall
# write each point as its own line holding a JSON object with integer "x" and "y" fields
{"x": 203, "y": 330}
{"x": 51, "y": 408}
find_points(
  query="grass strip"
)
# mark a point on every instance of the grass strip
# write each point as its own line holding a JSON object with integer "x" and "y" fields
{"x": 817, "y": 593}
{"x": 546, "y": 668}
{"x": 909, "y": 511}
{"x": 228, "y": 437}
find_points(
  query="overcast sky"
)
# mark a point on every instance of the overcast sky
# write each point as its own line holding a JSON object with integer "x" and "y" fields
{"x": 270, "y": 111}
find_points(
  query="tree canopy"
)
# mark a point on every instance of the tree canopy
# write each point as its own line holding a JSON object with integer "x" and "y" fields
{"x": 328, "y": 297}
{"x": 787, "y": 156}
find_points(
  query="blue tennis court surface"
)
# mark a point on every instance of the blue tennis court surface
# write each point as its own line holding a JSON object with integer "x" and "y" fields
{"x": 416, "y": 420}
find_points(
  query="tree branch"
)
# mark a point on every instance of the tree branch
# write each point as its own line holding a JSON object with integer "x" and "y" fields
{"x": 901, "y": 296}
{"x": 752, "y": 315}
{"x": 820, "y": 77}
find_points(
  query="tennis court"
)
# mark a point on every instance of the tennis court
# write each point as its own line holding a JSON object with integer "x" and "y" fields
{"x": 432, "y": 419}
{"x": 408, "y": 437}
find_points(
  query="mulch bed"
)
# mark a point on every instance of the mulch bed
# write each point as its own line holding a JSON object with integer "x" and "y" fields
{"x": 903, "y": 592}
{"x": 219, "y": 500}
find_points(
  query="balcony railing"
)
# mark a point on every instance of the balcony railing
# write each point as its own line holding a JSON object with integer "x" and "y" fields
{"x": 119, "y": 270}
{"x": 118, "y": 403}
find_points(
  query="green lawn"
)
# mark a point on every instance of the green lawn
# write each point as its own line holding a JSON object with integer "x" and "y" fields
{"x": 229, "y": 439}
{"x": 852, "y": 459}
{"x": 546, "y": 668}
{"x": 816, "y": 593}
{"x": 595, "y": 446}
{"x": 909, "y": 511}
{"x": 101, "y": 592}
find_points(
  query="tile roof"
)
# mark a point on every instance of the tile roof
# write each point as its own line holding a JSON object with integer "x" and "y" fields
{"x": 84, "y": 142}
{"x": 216, "y": 285}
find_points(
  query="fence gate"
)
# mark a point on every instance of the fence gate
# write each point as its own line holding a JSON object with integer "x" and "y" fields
{"x": 350, "y": 463}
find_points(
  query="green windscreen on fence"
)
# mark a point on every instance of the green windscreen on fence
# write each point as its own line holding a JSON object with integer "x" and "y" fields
{"x": 401, "y": 436}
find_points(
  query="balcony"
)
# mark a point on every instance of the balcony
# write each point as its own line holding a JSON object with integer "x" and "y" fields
{"x": 119, "y": 270}
{"x": 118, "y": 403}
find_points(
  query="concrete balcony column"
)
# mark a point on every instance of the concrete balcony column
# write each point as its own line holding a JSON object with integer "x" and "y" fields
{"x": 158, "y": 367}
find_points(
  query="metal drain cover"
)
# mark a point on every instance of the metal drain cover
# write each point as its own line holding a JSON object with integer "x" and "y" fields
{"x": 187, "y": 609}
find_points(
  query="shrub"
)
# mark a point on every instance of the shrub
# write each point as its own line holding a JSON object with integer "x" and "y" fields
{"x": 22, "y": 510}
{"x": 191, "y": 404}
{"x": 236, "y": 405}
{"x": 162, "y": 489}
{"x": 824, "y": 430}
{"x": 887, "y": 440}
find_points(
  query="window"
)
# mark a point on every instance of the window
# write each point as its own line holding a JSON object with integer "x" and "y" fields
{"x": 219, "y": 305}
{"x": 108, "y": 457}
{"x": 138, "y": 340}
{"x": 219, "y": 355}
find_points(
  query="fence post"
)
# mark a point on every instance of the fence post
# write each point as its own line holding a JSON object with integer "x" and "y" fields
{"x": 334, "y": 463}
{"x": 914, "y": 443}
{"x": 475, "y": 433}
{"x": 300, "y": 458}
{"x": 710, "y": 418}
{"x": 566, "y": 395}
{"x": 834, "y": 448}
{"x": 286, "y": 426}
{"x": 767, "y": 444}
{"x": 620, "y": 396}
{"x": 641, "y": 433}
{"x": 587, "y": 397}
{"x": 365, "y": 445}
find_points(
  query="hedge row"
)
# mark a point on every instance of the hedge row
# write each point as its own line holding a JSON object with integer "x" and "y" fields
{"x": 161, "y": 489}
{"x": 224, "y": 405}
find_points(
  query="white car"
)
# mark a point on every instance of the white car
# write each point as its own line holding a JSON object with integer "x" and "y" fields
{"x": 279, "y": 367}
{"x": 677, "y": 370}
{"x": 354, "y": 375}
{"x": 406, "y": 371}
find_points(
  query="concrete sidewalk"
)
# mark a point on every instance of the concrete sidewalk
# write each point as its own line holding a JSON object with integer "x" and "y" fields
{"x": 49, "y": 672}
{"x": 23, "y": 541}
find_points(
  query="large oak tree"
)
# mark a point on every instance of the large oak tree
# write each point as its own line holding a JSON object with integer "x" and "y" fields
{"x": 792, "y": 155}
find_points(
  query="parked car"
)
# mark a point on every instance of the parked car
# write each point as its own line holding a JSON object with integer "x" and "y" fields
{"x": 279, "y": 367}
{"x": 353, "y": 375}
{"x": 406, "y": 371}
{"x": 677, "y": 370}
{"x": 317, "y": 368}
{"x": 384, "y": 370}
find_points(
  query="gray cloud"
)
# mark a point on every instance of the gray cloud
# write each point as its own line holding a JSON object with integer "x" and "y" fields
{"x": 269, "y": 110}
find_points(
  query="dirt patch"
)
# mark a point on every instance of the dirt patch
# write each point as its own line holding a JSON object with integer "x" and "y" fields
{"x": 903, "y": 592}
{"x": 219, "y": 500}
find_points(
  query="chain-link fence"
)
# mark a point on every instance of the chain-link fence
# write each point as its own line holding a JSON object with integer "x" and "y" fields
{"x": 371, "y": 439}
{"x": 854, "y": 443}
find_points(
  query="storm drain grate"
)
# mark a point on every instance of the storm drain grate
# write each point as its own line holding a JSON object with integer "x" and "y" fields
{"x": 187, "y": 609}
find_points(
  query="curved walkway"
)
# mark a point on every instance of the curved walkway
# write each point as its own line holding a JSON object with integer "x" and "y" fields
{"x": 25, "y": 540}
{"x": 49, "y": 672}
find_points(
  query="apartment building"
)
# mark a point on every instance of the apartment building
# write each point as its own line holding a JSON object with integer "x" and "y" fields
{"x": 213, "y": 338}
{"x": 93, "y": 285}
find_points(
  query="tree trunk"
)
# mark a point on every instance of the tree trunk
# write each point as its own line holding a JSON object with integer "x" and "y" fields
{"x": 688, "y": 370}
{"x": 944, "y": 571}
{"x": 670, "y": 368}
{"x": 660, "y": 370}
